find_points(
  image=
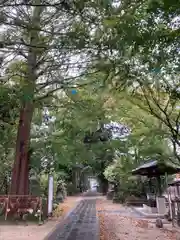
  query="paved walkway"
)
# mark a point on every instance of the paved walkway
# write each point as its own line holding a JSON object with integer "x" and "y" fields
{"x": 81, "y": 224}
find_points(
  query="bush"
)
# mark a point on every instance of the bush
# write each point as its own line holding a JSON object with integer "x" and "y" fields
{"x": 119, "y": 197}
{"x": 55, "y": 205}
{"x": 129, "y": 189}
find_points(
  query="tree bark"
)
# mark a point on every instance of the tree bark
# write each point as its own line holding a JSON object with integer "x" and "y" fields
{"x": 103, "y": 184}
{"x": 20, "y": 174}
{"x": 20, "y": 180}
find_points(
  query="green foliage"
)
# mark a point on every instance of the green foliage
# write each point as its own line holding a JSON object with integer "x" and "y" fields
{"x": 72, "y": 123}
{"x": 58, "y": 181}
{"x": 132, "y": 51}
{"x": 119, "y": 173}
{"x": 9, "y": 106}
{"x": 147, "y": 141}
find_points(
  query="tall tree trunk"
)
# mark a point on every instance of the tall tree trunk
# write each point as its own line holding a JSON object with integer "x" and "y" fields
{"x": 20, "y": 178}
{"x": 6, "y": 185}
{"x": 103, "y": 184}
{"x": 19, "y": 181}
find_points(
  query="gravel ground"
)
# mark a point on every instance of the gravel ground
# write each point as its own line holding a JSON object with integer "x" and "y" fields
{"x": 114, "y": 226}
{"x": 35, "y": 232}
{"x": 116, "y": 223}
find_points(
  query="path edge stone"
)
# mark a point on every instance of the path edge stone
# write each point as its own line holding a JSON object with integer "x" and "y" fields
{"x": 98, "y": 225}
{"x": 147, "y": 215}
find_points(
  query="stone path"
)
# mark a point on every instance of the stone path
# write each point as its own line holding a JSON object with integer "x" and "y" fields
{"x": 81, "y": 224}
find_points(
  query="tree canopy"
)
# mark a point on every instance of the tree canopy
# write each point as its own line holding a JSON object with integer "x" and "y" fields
{"x": 87, "y": 64}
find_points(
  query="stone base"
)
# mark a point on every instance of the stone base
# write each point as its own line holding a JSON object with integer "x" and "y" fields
{"x": 142, "y": 212}
{"x": 149, "y": 209}
{"x": 161, "y": 205}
